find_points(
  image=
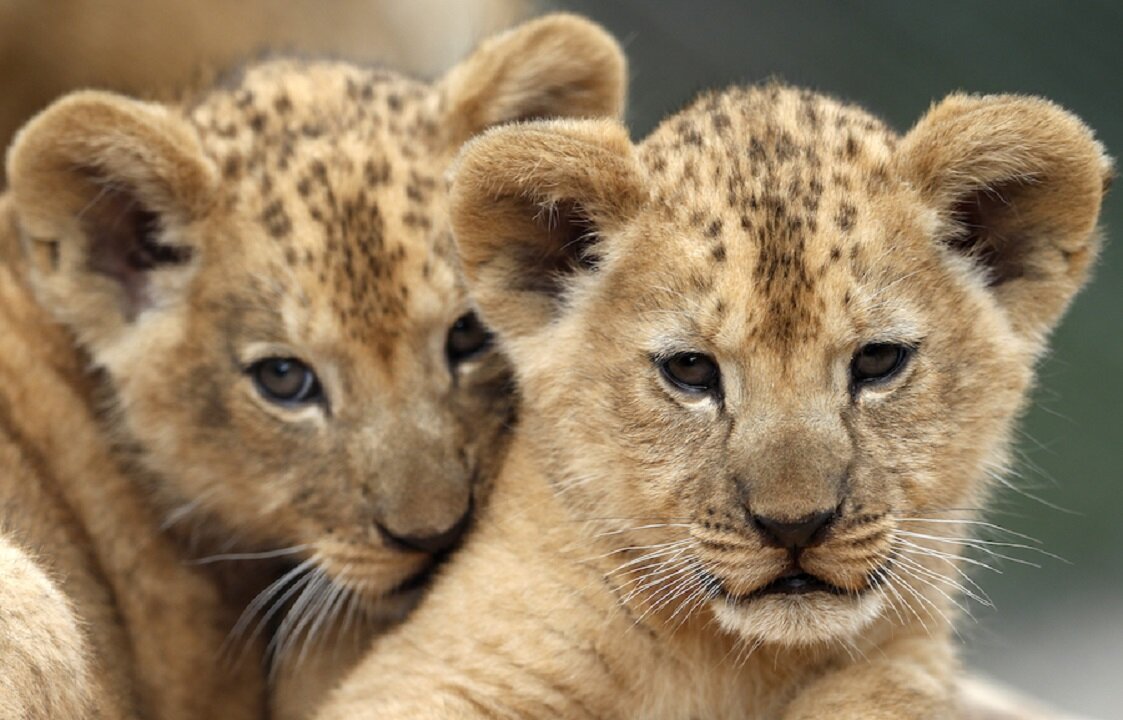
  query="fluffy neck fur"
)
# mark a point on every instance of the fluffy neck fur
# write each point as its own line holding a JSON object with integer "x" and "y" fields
{"x": 154, "y": 625}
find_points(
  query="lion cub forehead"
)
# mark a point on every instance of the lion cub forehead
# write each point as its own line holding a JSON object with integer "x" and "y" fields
{"x": 333, "y": 173}
{"x": 786, "y": 202}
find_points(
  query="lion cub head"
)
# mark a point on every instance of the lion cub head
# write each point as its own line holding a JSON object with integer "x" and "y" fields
{"x": 773, "y": 353}
{"x": 266, "y": 277}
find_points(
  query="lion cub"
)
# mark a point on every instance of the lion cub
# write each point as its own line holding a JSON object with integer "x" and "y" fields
{"x": 768, "y": 360}
{"x": 236, "y": 328}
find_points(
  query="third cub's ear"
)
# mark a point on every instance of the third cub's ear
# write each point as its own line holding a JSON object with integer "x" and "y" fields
{"x": 556, "y": 66}
{"x": 534, "y": 209}
{"x": 1018, "y": 182}
{"x": 100, "y": 185}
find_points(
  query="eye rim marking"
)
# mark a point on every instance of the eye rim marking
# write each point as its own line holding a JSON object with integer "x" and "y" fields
{"x": 905, "y": 351}
{"x": 459, "y": 355}
{"x": 712, "y": 385}
{"x": 310, "y": 391}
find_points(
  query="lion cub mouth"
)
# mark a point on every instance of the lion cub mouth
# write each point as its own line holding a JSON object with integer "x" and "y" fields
{"x": 797, "y": 583}
{"x": 792, "y": 581}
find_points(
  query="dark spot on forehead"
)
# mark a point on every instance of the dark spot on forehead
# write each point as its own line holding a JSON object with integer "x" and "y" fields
{"x": 232, "y": 167}
{"x": 276, "y": 220}
{"x": 376, "y": 172}
{"x": 282, "y": 104}
{"x": 847, "y": 214}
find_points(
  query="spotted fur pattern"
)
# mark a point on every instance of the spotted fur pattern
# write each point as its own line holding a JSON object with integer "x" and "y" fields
{"x": 154, "y": 256}
{"x": 782, "y": 538}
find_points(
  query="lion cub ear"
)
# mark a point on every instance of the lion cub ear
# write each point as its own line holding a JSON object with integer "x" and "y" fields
{"x": 102, "y": 187}
{"x": 556, "y": 66}
{"x": 534, "y": 210}
{"x": 1018, "y": 182}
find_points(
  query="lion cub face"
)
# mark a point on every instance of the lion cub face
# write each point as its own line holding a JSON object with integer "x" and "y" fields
{"x": 267, "y": 279}
{"x": 773, "y": 354}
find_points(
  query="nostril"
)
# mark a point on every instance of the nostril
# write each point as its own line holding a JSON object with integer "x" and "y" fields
{"x": 796, "y": 534}
{"x": 433, "y": 544}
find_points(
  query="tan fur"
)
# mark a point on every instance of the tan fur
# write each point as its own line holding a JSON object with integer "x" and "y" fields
{"x": 39, "y": 638}
{"x": 617, "y": 572}
{"x": 152, "y": 254}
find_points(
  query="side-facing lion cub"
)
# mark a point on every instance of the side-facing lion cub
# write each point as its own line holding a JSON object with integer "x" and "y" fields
{"x": 236, "y": 328}
{"x": 768, "y": 360}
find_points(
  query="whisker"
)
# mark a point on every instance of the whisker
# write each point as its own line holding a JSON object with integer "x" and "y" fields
{"x": 979, "y": 523}
{"x": 922, "y": 574}
{"x": 674, "y": 550}
{"x": 265, "y": 555}
{"x": 289, "y": 583}
{"x": 294, "y": 620}
{"x": 321, "y": 623}
{"x": 986, "y": 547}
{"x": 653, "y": 526}
{"x": 1002, "y": 480}
{"x": 927, "y": 604}
{"x": 637, "y": 548}
{"x": 975, "y": 592}
{"x": 909, "y": 546}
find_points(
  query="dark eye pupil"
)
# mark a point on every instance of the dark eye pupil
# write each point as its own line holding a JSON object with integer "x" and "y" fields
{"x": 877, "y": 361}
{"x": 285, "y": 380}
{"x": 466, "y": 337}
{"x": 692, "y": 371}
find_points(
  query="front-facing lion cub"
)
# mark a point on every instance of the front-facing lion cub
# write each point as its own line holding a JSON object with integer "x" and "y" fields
{"x": 235, "y": 327}
{"x": 767, "y": 361}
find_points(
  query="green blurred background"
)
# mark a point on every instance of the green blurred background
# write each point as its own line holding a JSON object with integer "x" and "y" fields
{"x": 1058, "y": 630}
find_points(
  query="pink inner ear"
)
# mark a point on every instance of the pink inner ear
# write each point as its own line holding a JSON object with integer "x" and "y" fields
{"x": 124, "y": 245}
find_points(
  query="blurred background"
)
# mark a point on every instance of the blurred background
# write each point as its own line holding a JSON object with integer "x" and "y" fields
{"x": 1057, "y": 630}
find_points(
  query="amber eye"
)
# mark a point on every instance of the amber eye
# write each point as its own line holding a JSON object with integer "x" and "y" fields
{"x": 877, "y": 362}
{"x": 285, "y": 380}
{"x": 693, "y": 372}
{"x": 466, "y": 338}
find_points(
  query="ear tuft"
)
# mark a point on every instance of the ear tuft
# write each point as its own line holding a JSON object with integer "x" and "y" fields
{"x": 533, "y": 206}
{"x": 1019, "y": 182}
{"x": 556, "y": 66}
{"x": 124, "y": 244}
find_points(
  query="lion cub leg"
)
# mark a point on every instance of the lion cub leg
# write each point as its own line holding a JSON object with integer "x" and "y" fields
{"x": 42, "y": 654}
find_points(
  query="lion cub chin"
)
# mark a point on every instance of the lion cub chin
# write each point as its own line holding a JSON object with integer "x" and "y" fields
{"x": 768, "y": 361}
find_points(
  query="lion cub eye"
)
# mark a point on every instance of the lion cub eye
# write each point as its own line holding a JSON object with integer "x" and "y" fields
{"x": 466, "y": 337}
{"x": 693, "y": 372}
{"x": 285, "y": 380}
{"x": 878, "y": 362}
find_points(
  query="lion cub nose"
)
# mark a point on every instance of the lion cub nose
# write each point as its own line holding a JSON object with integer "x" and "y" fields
{"x": 793, "y": 535}
{"x": 432, "y": 544}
